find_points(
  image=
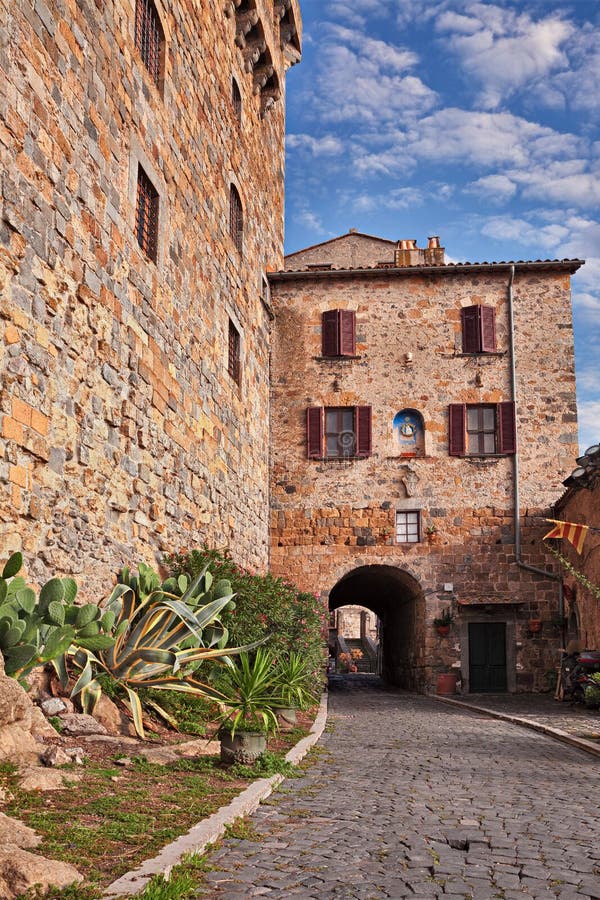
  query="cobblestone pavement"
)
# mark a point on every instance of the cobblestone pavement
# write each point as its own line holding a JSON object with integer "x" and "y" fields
{"x": 543, "y": 708}
{"x": 413, "y": 798}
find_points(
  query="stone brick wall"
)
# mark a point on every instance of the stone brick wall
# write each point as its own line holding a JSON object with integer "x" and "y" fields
{"x": 122, "y": 434}
{"x": 333, "y": 517}
{"x": 582, "y": 506}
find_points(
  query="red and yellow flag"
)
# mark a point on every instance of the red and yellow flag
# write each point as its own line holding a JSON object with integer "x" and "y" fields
{"x": 575, "y": 534}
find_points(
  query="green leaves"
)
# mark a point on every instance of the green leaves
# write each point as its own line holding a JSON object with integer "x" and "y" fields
{"x": 12, "y": 565}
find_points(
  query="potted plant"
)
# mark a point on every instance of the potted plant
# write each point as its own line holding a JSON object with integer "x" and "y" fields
{"x": 431, "y": 533}
{"x": 534, "y": 626}
{"x": 249, "y": 700}
{"x": 443, "y": 622}
{"x": 291, "y": 680}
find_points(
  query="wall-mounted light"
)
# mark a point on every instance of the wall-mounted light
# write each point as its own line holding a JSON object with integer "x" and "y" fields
{"x": 478, "y": 379}
{"x": 408, "y": 358}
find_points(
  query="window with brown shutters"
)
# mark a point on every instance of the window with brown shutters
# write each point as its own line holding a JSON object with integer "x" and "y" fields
{"x": 233, "y": 354}
{"x": 150, "y": 39}
{"x": 482, "y": 429}
{"x": 236, "y": 218}
{"x": 338, "y": 328}
{"x": 146, "y": 215}
{"x": 338, "y": 432}
{"x": 478, "y": 329}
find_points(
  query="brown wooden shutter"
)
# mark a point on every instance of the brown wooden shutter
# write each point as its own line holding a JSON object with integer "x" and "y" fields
{"x": 347, "y": 332}
{"x": 363, "y": 430}
{"x": 488, "y": 329}
{"x": 507, "y": 428}
{"x": 470, "y": 329}
{"x": 330, "y": 330}
{"x": 456, "y": 429}
{"x": 314, "y": 432}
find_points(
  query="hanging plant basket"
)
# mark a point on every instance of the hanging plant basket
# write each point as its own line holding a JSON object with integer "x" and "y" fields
{"x": 443, "y": 630}
{"x": 534, "y": 626}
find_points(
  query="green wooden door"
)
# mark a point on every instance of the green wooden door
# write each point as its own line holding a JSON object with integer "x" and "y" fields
{"x": 487, "y": 657}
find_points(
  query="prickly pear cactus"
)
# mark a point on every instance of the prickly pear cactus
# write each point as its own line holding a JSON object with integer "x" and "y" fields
{"x": 39, "y": 629}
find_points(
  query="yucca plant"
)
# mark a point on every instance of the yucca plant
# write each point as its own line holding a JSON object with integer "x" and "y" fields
{"x": 250, "y": 694}
{"x": 162, "y": 633}
{"x": 292, "y": 678}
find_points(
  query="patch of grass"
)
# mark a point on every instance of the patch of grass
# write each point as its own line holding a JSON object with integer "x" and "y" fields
{"x": 242, "y": 830}
{"x": 56, "y": 723}
{"x": 266, "y": 765}
{"x": 181, "y": 883}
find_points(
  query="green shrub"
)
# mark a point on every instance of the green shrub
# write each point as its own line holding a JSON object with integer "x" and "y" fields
{"x": 265, "y": 605}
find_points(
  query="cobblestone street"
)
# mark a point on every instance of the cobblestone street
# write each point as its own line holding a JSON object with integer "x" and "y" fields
{"x": 411, "y": 798}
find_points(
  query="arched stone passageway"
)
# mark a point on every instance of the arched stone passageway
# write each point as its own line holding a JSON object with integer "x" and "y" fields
{"x": 396, "y": 597}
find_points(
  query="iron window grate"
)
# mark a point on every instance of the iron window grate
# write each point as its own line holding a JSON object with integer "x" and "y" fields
{"x": 233, "y": 356}
{"x": 146, "y": 215}
{"x": 149, "y": 37}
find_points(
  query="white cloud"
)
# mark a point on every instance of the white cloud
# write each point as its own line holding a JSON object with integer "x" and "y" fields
{"x": 523, "y": 232}
{"x": 327, "y": 145}
{"x": 367, "y": 81}
{"x": 505, "y": 51}
{"x": 494, "y": 187}
{"x": 398, "y": 198}
{"x": 589, "y": 422}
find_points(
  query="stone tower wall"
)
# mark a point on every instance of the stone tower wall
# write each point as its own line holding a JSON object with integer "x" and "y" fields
{"x": 122, "y": 433}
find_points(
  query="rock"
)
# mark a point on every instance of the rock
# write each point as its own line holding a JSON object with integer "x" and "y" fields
{"x": 55, "y": 756}
{"x": 75, "y": 754}
{"x": 124, "y": 761}
{"x": 21, "y": 870}
{"x": 114, "y": 720}
{"x": 81, "y": 723}
{"x": 39, "y": 684}
{"x": 14, "y": 832}
{"x": 53, "y": 707}
{"x": 40, "y": 726}
{"x": 17, "y": 745}
{"x": 17, "y": 721}
{"x": 38, "y": 778}
{"x": 162, "y": 756}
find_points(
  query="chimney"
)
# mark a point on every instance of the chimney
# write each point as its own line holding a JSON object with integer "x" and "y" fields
{"x": 409, "y": 254}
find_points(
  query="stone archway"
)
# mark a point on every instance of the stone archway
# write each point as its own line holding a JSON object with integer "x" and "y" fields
{"x": 396, "y": 597}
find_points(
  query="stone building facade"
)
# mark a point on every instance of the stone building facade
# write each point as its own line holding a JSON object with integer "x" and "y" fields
{"x": 411, "y": 470}
{"x": 580, "y": 504}
{"x": 140, "y": 142}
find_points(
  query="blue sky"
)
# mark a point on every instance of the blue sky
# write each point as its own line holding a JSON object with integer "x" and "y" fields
{"x": 476, "y": 121}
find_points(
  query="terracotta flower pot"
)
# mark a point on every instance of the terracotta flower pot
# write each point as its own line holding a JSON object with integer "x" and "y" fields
{"x": 534, "y": 625}
{"x": 446, "y": 683}
{"x": 442, "y": 630}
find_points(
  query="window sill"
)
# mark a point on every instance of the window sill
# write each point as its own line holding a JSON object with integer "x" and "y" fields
{"x": 336, "y": 359}
{"x": 485, "y": 353}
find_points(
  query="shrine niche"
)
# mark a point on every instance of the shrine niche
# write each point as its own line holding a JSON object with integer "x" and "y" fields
{"x": 408, "y": 433}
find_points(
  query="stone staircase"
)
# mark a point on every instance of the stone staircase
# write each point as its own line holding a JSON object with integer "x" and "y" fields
{"x": 368, "y": 663}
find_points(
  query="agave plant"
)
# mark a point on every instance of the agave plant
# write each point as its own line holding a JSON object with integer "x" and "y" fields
{"x": 162, "y": 633}
{"x": 35, "y": 630}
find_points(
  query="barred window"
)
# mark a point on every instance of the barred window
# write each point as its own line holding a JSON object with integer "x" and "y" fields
{"x": 236, "y": 99}
{"x": 146, "y": 215}
{"x": 236, "y": 218}
{"x": 149, "y": 38}
{"x": 233, "y": 356}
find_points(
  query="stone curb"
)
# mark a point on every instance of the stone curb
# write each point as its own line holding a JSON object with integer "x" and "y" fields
{"x": 556, "y": 733}
{"x": 209, "y": 830}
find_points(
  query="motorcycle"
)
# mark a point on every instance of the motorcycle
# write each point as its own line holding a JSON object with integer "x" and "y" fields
{"x": 576, "y": 668}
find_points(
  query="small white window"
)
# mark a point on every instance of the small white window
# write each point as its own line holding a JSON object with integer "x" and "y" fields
{"x": 408, "y": 527}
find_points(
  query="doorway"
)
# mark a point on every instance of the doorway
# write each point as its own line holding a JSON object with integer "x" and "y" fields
{"x": 487, "y": 657}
